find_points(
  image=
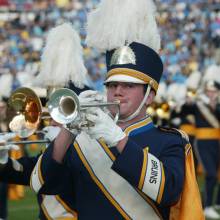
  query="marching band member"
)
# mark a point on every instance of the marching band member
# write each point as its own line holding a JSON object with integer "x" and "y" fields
{"x": 19, "y": 172}
{"x": 204, "y": 108}
{"x": 180, "y": 119}
{"x": 62, "y": 65}
{"x": 188, "y": 121}
{"x": 3, "y": 186}
{"x": 132, "y": 169}
{"x": 7, "y": 190}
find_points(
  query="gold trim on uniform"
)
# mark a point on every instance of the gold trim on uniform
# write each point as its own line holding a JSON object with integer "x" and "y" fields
{"x": 67, "y": 208}
{"x": 139, "y": 124}
{"x": 144, "y": 169}
{"x": 39, "y": 172}
{"x": 162, "y": 184}
{"x": 106, "y": 149}
{"x": 149, "y": 201}
{"x": 134, "y": 73}
{"x": 187, "y": 149}
{"x": 189, "y": 129}
{"x": 208, "y": 114}
{"x": 207, "y": 133}
{"x": 66, "y": 218}
{"x": 36, "y": 180}
{"x": 45, "y": 210}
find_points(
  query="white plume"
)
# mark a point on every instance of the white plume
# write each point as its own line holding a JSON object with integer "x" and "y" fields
{"x": 26, "y": 79}
{"x": 6, "y": 81}
{"x": 193, "y": 80}
{"x": 161, "y": 92}
{"x": 177, "y": 93}
{"x": 212, "y": 74}
{"x": 62, "y": 58}
{"x": 116, "y": 22}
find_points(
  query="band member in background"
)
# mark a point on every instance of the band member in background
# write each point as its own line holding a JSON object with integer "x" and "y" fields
{"x": 3, "y": 186}
{"x": 206, "y": 112}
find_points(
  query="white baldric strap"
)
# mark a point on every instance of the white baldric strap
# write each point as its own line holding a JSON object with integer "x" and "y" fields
{"x": 16, "y": 165}
{"x": 54, "y": 209}
{"x": 119, "y": 189}
{"x": 36, "y": 181}
{"x": 208, "y": 114}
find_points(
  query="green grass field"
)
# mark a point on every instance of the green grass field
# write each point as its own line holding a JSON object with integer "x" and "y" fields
{"x": 24, "y": 209}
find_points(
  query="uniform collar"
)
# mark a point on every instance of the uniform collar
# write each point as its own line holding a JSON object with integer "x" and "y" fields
{"x": 140, "y": 126}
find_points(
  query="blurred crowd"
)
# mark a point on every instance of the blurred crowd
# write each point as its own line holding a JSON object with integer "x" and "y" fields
{"x": 190, "y": 34}
{"x": 190, "y": 46}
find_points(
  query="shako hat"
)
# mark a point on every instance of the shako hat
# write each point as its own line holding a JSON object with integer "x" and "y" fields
{"x": 127, "y": 31}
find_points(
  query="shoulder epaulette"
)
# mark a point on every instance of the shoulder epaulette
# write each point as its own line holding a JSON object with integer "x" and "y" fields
{"x": 175, "y": 131}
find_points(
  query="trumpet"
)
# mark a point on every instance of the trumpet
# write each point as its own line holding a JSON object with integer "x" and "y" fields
{"x": 25, "y": 109}
{"x": 64, "y": 107}
{"x": 44, "y": 141}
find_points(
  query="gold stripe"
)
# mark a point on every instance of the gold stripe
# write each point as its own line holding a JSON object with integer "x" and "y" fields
{"x": 134, "y": 73}
{"x": 99, "y": 184}
{"x": 162, "y": 184}
{"x": 187, "y": 148}
{"x": 31, "y": 184}
{"x": 39, "y": 172}
{"x": 106, "y": 149}
{"x": 144, "y": 168}
{"x": 66, "y": 218}
{"x": 45, "y": 210}
{"x": 189, "y": 129}
{"x": 137, "y": 125}
{"x": 208, "y": 133}
{"x": 40, "y": 176}
{"x": 144, "y": 196}
{"x": 66, "y": 207}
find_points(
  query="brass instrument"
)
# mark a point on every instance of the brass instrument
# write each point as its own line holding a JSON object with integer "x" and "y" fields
{"x": 25, "y": 111}
{"x": 191, "y": 93}
{"x": 163, "y": 110}
{"x": 64, "y": 107}
{"x": 159, "y": 110}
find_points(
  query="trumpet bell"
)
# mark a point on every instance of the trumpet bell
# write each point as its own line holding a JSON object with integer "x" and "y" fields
{"x": 24, "y": 109}
{"x": 64, "y": 106}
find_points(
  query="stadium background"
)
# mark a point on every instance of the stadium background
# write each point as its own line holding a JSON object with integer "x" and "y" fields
{"x": 190, "y": 32}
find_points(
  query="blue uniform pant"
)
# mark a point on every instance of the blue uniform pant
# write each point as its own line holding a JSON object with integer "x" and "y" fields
{"x": 3, "y": 200}
{"x": 209, "y": 154}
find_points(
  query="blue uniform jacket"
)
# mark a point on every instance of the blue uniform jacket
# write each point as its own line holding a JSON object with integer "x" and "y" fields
{"x": 148, "y": 175}
{"x": 206, "y": 120}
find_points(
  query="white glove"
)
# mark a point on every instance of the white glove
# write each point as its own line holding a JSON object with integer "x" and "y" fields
{"x": 5, "y": 148}
{"x": 73, "y": 127}
{"x": 104, "y": 127}
{"x": 89, "y": 96}
{"x": 51, "y": 132}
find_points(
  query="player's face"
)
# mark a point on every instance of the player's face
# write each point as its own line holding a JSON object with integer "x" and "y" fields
{"x": 212, "y": 94}
{"x": 130, "y": 96}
